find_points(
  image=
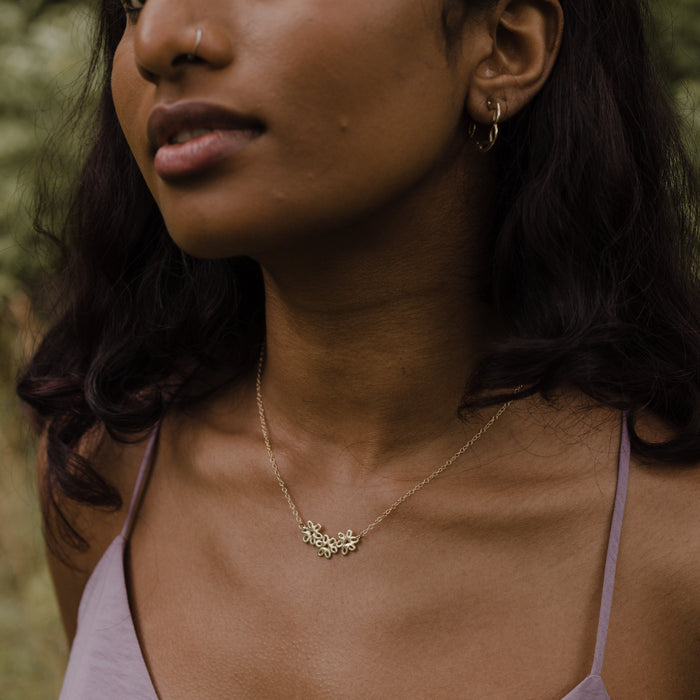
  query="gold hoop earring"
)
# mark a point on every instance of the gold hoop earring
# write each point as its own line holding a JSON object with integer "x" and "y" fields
{"x": 486, "y": 146}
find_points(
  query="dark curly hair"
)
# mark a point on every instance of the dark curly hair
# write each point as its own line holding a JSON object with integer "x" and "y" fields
{"x": 592, "y": 266}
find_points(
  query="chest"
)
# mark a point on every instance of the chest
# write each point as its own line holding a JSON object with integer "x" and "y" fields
{"x": 500, "y": 601}
{"x": 431, "y": 615}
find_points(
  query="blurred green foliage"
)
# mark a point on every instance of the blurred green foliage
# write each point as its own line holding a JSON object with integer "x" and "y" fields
{"x": 42, "y": 55}
{"x": 43, "y": 47}
{"x": 43, "y": 51}
{"x": 678, "y": 40}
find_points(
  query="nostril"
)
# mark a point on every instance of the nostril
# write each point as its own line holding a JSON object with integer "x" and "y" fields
{"x": 187, "y": 58}
{"x": 146, "y": 74}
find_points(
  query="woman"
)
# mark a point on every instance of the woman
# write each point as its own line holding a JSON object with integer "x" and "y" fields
{"x": 413, "y": 272}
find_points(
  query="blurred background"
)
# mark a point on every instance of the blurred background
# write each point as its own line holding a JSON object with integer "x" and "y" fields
{"x": 44, "y": 46}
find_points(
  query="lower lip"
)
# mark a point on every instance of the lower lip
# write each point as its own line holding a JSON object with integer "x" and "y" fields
{"x": 179, "y": 160}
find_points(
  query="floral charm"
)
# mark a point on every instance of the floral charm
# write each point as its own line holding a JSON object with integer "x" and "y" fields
{"x": 348, "y": 542}
{"x": 312, "y": 533}
{"x": 328, "y": 546}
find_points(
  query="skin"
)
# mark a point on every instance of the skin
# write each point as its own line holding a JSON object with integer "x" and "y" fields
{"x": 365, "y": 205}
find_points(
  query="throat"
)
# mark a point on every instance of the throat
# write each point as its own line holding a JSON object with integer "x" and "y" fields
{"x": 402, "y": 362}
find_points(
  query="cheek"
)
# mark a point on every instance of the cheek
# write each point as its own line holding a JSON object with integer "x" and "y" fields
{"x": 128, "y": 96}
{"x": 121, "y": 95}
{"x": 366, "y": 108}
{"x": 380, "y": 68}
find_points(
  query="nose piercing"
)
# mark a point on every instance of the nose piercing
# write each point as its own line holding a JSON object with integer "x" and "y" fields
{"x": 192, "y": 56}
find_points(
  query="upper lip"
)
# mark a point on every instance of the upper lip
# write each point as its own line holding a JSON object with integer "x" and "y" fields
{"x": 168, "y": 120}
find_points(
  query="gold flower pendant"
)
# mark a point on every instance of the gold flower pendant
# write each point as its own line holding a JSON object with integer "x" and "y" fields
{"x": 345, "y": 543}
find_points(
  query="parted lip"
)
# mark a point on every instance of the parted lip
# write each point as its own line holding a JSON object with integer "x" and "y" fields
{"x": 168, "y": 120}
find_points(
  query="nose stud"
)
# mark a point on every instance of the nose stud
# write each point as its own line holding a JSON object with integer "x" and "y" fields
{"x": 192, "y": 56}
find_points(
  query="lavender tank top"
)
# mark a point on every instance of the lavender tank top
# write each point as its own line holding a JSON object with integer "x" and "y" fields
{"x": 106, "y": 661}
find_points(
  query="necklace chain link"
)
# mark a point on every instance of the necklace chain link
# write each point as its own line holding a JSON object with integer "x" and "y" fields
{"x": 346, "y": 542}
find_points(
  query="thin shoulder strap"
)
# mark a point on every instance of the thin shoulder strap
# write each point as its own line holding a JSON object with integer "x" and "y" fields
{"x": 613, "y": 548}
{"x": 144, "y": 470}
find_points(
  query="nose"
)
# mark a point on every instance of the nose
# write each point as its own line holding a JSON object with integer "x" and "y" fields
{"x": 170, "y": 37}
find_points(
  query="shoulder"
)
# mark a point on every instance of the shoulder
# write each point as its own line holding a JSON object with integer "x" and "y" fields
{"x": 660, "y": 562}
{"x": 663, "y": 526}
{"x": 665, "y": 505}
{"x": 71, "y": 568}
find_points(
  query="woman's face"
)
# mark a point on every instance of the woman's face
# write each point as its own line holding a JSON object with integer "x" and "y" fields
{"x": 295, "y": 118}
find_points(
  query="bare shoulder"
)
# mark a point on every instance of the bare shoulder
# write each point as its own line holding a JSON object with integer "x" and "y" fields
{"x": 664, "y": 510}
{"x": 659, "y": 573}
{"x": 665, "y": 502}
{"x": 71, "y": 568}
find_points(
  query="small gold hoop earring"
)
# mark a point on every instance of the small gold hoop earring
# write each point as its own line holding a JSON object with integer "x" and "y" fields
{"x": 486, "y": 146}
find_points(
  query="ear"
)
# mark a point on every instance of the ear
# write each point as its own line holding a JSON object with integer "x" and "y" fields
{"x": 525, "y": 40}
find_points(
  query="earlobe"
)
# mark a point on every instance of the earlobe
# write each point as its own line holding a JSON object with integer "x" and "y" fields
{"x": 525, "y": 44}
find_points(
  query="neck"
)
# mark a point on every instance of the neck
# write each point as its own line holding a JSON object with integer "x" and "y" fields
{"x": 371, "y": 337}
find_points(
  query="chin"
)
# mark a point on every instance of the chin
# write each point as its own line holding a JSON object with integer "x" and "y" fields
{"x": 207, "y": 245}
{"x": 225, "y": 241}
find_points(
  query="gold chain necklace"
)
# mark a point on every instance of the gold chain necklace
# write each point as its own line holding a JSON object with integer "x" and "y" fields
{"x": 346, "y": 542}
